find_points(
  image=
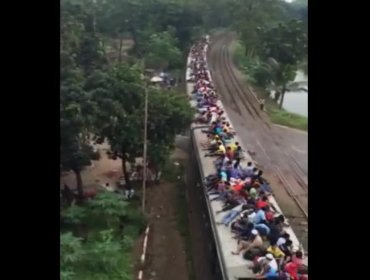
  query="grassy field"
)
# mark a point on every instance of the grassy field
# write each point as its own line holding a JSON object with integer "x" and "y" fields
{"x": 277, "y": 115}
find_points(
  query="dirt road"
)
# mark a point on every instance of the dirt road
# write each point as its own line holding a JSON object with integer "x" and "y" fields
{"x": 281, "y": 152}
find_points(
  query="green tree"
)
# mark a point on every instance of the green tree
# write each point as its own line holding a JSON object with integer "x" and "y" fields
{"x": 284, "y": 46}
{"x": 281, "y": 75}
{"x": 76, "y": 116}
{"x": 80, "y": 43}
{"x": 161, "y": 51}
{"x": 169, "y": 115}
{"x": 120, "y": 95}
{"x": 250, "y": 16}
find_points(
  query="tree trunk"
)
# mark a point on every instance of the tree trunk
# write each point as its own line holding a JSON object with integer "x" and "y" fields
{"x": 67, "y": 195}
{"x": 277, "y": 96}
{"x": 134, "y": 35}
{"x": 120, "y": 49}
{"x": 80, "y": 189}
{"x": 282, "y": 97}
{"x": 124, "y": 170}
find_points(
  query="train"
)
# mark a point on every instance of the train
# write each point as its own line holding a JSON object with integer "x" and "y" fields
{"x": 220, "y": 243}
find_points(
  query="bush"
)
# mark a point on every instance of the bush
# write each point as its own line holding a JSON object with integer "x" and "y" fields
{"x": 73, "y": 214}
{"x": 113, "y": 225}
{"x": 107, "y": 208}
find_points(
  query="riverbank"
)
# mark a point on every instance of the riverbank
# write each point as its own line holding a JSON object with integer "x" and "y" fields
{"x": 276, "y": 115}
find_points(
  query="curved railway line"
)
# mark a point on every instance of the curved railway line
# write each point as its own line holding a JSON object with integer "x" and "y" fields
{"x": 272, "y": 153}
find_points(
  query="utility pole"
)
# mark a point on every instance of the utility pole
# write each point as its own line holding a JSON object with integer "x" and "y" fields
{"x": 145, "y": 146}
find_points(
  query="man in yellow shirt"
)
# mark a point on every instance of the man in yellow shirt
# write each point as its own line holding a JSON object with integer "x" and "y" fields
{"x": 221, "y": 148}
{"x": 276, "y": 252}
{"x": 220, "y": 151}
{"x": 234, "y": 146}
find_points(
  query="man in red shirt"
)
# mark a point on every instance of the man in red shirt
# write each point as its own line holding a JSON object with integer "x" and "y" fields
{"x": 262, "y": 202}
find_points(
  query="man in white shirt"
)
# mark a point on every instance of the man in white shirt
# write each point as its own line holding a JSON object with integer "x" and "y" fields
{"x": 268, "y": 259}
{"x": 282, "y": 239}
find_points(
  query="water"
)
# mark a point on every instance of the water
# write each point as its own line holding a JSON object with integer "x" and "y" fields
{"x": 297, "y": 101}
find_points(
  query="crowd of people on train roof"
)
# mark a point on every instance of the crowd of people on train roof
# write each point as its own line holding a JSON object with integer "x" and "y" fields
{"x": 259, "y": 230}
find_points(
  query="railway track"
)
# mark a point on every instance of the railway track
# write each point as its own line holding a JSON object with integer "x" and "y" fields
{"x": 284, "y": 165}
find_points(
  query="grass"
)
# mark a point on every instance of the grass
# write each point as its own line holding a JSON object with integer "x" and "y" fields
{"x": 175, "y": 174}
{"x": 276, "y": 115}
{"x": 283, "y": 117}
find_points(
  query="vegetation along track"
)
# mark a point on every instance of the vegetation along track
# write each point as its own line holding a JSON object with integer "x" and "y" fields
{"x": 274, "y": 156}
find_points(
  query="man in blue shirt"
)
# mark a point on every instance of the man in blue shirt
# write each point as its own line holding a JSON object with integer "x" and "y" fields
{"x": 234, "y": 173}
{"x": 229, "y": 217}
{"x": 258, "y": 217}
{"x": 263, "y": 229}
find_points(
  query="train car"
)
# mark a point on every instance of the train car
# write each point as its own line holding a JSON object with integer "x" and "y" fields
{"x": 225, "y": 265}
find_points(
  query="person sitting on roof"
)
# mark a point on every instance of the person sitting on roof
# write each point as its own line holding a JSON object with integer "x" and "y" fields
{"x": 269, "y": 269}
{"x": 264, "y": 186}
{"x": 234, "y": 173}
{"x": 226, "y": 138}
{"x": 282, "y": 239}
{"x": 213, "y": 144}
{"x": 262, "y": 202}
{"x": 253, "y": 194}
{"x": 276, "y": 252}
{"x": 254, "y": 243}
{"x": 241, "y": 227}
{"x": 256, "y": 177}
{"x": 263, "y": 229}
{"x": 238, "y": 156}
{"x": 287, "y": 249}
{"x": 234, "y": 146}
{"x": 258, "y": 216}
{"x": 277, "y": 228}
{"x": 219, "y": 152}
{"x": 231, "y": 202}
{"x": 231, "y": 215}
{"x": 203, "y": 118}
{"x": 237, "y": 186}
{"x": 270, "y": 215}
{"x": 295, "y": 269}
{"x": 212, "y": 128}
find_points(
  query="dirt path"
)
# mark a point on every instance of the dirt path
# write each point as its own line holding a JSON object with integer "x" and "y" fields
{"x": 166, "y": 257}
{"x": 166, "y": 253}
{"x": 100, "y": 172}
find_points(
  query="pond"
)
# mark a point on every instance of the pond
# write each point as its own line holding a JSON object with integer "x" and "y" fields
{"x": 296, "y": 101}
